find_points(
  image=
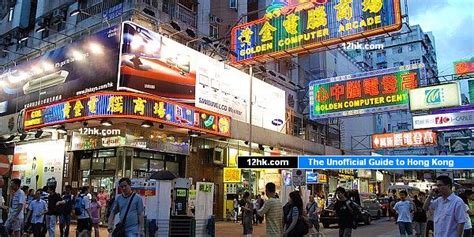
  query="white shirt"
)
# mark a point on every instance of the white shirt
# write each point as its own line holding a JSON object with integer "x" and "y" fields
{"x": 467, "y": 224}
{"x": 448, "y": 213}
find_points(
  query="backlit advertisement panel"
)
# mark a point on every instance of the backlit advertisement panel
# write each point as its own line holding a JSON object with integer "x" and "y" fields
{"x": 82, "y": 67}
{"x": 441, "y": 96}
{"x": 291, "y": 27}
{"x": 464, "y": 67}
{"x": 158, "y": 65}
{"x": 38, "y": 163}
{"x": 367, "y": 92}
{"x": 404, "y": 139}
{"x": 461, "y": 118}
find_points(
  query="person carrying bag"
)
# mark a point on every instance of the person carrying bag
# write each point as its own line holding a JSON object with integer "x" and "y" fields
{"x": 119, "y": 230}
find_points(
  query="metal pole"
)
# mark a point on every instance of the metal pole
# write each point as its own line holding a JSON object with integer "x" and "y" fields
{"x": 250, "y": 110}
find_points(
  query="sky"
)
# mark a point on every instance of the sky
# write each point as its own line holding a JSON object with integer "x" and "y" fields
{"x": 452, "y": 24}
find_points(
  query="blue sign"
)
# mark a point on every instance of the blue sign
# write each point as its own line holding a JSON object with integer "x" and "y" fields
{"x": 312, "y": 178}
{"x": 113, "y": 12}
{"x": 386, "y": 162}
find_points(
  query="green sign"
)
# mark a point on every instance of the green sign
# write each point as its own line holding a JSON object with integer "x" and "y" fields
{"x": 471, "y": 91}
{"x": 180, "y": 192}
{"x": 368, "y": 92}
{"x": 207, "y": 188}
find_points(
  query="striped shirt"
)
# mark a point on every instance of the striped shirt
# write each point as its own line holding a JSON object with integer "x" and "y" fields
{"x": 274, "y": 214}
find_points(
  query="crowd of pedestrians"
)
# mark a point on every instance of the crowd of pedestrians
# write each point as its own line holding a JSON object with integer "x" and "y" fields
{"x": 37, "y": 212}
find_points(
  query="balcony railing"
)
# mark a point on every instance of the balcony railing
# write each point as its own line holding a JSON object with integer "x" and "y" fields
{"x": 98, "y": 8}
{"x": 184, "y": 15}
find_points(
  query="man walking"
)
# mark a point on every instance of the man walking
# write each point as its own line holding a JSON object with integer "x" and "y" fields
{"x": 419, "y": 217}
{"x": 345, "y": 211}
{"x": 66, "y": 209}
{"x": 449, "y": 210}
{"x": 53, "y": 210}
{"x": 130, "y": 208}
{"x": 405, "y": 210}
{"x": 16, "y": 215}
{"x": 272, "y": 208}
{"x": 37, "y": 210}
{"x": 82, "y": 209}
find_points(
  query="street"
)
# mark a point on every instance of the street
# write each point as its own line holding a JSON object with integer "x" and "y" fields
{"x": 378, "y": 228}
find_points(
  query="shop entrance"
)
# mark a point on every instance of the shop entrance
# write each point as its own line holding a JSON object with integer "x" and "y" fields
{"x": 98, "y": 181}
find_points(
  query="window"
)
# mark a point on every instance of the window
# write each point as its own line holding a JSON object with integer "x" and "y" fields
{"x": 233, "y": 4}
{"x": 415, "y": 61}
{"x": 173, "y": 167}
{"x": 213, "y": 31}
{"x": 397, "y": 64}
{"x": 382, "y": 65}
{"x": 97, "y": 163}
{"x": 412, "y": 47}
{"x": 140, "y": 164}
{"x": 85, "y": 164}
{"x": 157, "y": 165}
{"x": 397, "y": 50}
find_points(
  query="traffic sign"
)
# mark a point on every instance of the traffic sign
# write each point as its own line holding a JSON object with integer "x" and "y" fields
{"x": 4, "y": 165}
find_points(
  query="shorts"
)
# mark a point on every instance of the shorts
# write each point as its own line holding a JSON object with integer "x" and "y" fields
{"x": 84, "y": 224}
{"x": 15, "y": 226}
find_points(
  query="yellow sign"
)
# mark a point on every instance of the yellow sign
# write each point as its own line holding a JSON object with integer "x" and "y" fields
{"x": 232, "y": 175}
{"x": 322, "y": 178}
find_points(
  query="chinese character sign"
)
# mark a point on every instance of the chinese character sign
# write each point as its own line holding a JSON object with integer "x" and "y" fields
{"x": 127, "y": 105}
{"x": 405, "y": 139}
{"x": 362, "y": 93}
{"x": 464, "y": 67}
{"x": 301, "y": 26}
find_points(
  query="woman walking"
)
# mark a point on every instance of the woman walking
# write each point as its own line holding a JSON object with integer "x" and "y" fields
{"x": 295, "y": 225}
{"x": 247, "y": 213}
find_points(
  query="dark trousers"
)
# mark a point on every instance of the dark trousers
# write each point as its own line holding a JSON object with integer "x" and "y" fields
{"x": 64, "y": 223}
{"x": 38, "y": 230}
{"x": 405, "y": 228}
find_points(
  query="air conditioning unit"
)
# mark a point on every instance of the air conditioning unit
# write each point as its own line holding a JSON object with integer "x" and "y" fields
{"x": 213, "y": 155}
{"x": 44, "y": 81}
{"x": 58, "y": 16}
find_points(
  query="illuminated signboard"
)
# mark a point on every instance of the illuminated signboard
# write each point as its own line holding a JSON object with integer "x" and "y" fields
{"x": 432, "y": 97}
{"x": 232, "y": 175}
{"x": 464, "y": 67}
{"x": 404, "y": 139}
{"x": 127, "y": 105}
{"x": 302, "y": 26}
{"x": 368, "y": 92}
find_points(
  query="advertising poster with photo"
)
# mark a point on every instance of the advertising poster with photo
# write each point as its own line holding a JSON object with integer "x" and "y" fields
{"x": 38, "y": 164}
{"x": 82, "y": 67}
{"x": 158, "y": 65}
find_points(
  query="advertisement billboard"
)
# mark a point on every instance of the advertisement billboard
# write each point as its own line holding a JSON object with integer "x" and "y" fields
{"x": 461, "y": 144}
{"x": 312, "y": 178}
{"x": 158, "y": 65}
{"x": 461, "y": 118}
{"x": 38, "y": 163}
{"x": 464, "y": 67}
{"x": 441, "y": 96}
{"x": 127, "y": 105}
{"x": 289, "y": 28}
{"x": 471, "y": 91}
{"x": 367, "y": 92}
{"x": 404, "y": 139}
{"x": 85, "y": 66}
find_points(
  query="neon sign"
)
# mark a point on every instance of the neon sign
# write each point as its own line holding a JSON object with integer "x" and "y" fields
{"x": 367, "y": 92}
{"x": 464, "y": 67}
{"x": 301, "y": 26}
{"x": 127, "y": 105}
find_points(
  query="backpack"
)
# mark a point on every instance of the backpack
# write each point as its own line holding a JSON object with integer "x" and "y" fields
{"x": 67, "y": 208}
{"x": 78, "y": 206}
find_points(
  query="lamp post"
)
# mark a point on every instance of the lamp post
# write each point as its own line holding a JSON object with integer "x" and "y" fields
{"x": 251, "y": 108}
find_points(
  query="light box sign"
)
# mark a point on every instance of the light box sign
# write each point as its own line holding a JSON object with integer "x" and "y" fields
{"x": 312, "y": 178}
{"x": 404, "y": 139}
{"x": 84, "y": 66}
{"x": 461, "y": 144}
{"x": 462, "y": 118}
{"x": 464, "y": 67}
{"x": 368, "y": 92}
{"x": 301, "y": 26}
{"x": 128, "y": 105}
{"x": 441, "y": 96}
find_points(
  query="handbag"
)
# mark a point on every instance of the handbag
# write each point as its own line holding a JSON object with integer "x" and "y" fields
{"x": 119, "y": 230}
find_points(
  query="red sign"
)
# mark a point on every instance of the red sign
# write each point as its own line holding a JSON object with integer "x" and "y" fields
{"x": 404, "y": 139}
{"x": 464, "y": 67}
{"x": 127, "y": 106}
{"x": 4, "y": 165}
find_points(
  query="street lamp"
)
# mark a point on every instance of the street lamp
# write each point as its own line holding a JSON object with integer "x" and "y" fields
{"x": 80, "y": 11}
{"x": 25, "y": 38}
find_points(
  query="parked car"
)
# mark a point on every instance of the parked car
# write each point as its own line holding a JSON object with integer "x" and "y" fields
{"x": 373, "y": 207}
{"x": 385, "y": 205}
{"x": 329, "y": 216}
